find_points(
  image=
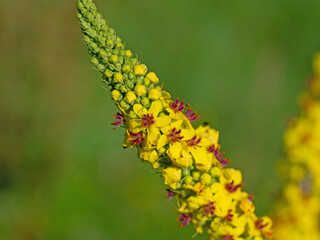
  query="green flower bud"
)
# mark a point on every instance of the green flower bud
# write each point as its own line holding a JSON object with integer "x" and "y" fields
{"x": 110, "y": 43}
{"x": 130, "y": 84}
{"x": 126, "y": 68}
{"x": 122, "y": 53}
{"x": 119, "y": 45}
{"x": 124, "y": 105}
{"x": 131, "y": 76}
{"x": 123, "y": 89}
{"x": 145, "y": 102}
{"x": 185, "y": 171}
{"x": 95, "y": 61}
{"x": 146, "y": 82}
{"x": 128, "y": 54}
{"x": 108, "y": 73}
{"x": 103, "y": 53}
{"x": 100, "y": 67}
{"x": 134, "y": 61}
{"x": 114, "y": 58}
{"x": 139, "y": 81}
{"x": 132, "y": 114}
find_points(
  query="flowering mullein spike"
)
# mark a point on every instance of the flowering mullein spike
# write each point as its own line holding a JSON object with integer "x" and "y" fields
{"x": 208, "y": 195}
{"x": 297, "y": 210}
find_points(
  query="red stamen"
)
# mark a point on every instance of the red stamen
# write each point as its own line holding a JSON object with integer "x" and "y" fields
{"x": 194, "y": 141}
{"x": 219, "y": 155}
{"x": 259, "y": 224}
{"x": 174, "y": 135}
{"x": 210, "y": 208}
{"x": 135, "y": 138}
{"x": 227, "y": 237}
{"x": 231, "y": 188}
{"x": 148, "y": 120}
{"x": 192, "y": 115}
{"x": 178, "y": 106}
{"x": 119, "y": 121}
{"x": 185, "y": 219}
{"x": 229, "y": 216}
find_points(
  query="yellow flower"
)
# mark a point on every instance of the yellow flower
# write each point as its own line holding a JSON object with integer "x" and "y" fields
{"x": 202, "y": 158}
{"x": 171, "y": 175}
{"x": 179, "y": 156}
{"x": 140, "y": 69}
{"x": 247, "y": 206}
{"x": 130, "y": 97}
{"x": 260, "y": 227}
{"x": 209, "y": 136}
{"x": 230, "y": 183}
{"x": 148, "y": 118}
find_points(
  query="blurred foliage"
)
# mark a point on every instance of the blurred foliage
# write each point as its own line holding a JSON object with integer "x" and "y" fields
{"x": 63, "y": 172}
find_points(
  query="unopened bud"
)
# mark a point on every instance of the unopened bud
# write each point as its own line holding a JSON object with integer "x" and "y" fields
{"x": 118, "y": 77}
{"x": 154, "y": 94}
{"x": 116, "y": 95}
{"x": 130, "y": 97}
{"x": 152, "y": 77}
{"x": 140, "y": 90}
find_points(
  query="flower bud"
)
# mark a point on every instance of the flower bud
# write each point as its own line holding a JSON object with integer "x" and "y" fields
{"x": 100, "y": 67}
{"x": 116, "y": 95}
{"x": 109, "y": 43}
{"x": 146, "y": 82}
{"x": 216, "y": 172}
{"x": 172, "y": 176}
{"x": 130, "y": 97}
{"x": 185, "y": 171}
{"x": 145, "y": 102}
{"x": 140, "y": 90}
{"x": 114, "y": 58}
{"x": 130, "y": 84}
{"x": 126, "y": 68}
{"x": 195, "y": 176}
{"x": 152, "y": 77}
{"x": 119, "y": 45}
{"x": 140, "y": 70}
{"x": 131, "y": 76}
{"x": 128, "y": 54}
{"x": 124, "y": 105}
{"x": 154, "y": 94}
{"x": 123, "y": 89}
{"x": 94, "y": 61}
{"x": 188, "y": 180}
{"x": 205, "y": 178}
{"x": 118, "y": 77}
{"x": 161, "y": 150}
{"x": 132, "y": 114}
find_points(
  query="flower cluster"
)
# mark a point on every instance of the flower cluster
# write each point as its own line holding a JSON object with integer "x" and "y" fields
{"x": 208, "y": 194}
{"x": 298, "y": 209}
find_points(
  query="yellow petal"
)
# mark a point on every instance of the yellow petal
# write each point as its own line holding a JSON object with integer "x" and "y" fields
{"x": 162, "y": 121}
{"x": 163, "y": 140}
{"x": 137, "y": 109}
{"x": 175, "y": 150}
{"x": 176, "y": 124}
{"x": 156, "y": 107}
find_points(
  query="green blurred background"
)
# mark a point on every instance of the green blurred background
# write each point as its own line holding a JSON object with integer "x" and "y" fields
{"x": 63, "y": 172}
